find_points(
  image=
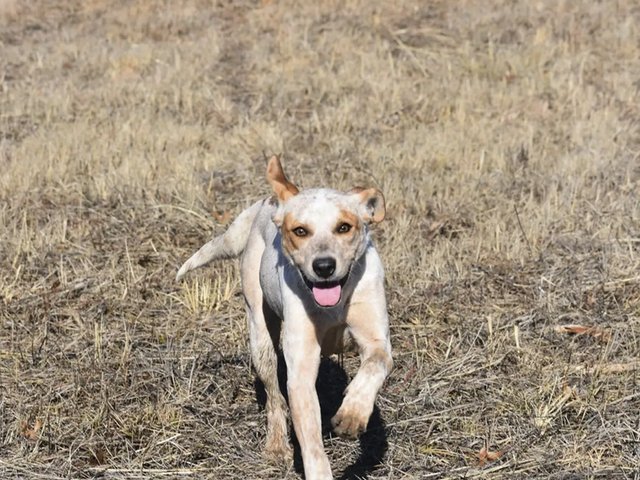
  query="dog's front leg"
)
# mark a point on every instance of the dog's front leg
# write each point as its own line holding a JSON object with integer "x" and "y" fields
{"x": 301, "y": 349}
{"x": 369, "y": 326}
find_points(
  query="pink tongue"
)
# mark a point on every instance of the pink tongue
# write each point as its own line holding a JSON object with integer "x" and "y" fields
{"x": 327, "y": 297}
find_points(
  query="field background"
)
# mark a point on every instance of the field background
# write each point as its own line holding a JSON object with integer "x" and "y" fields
{"x": 505, "y": 136}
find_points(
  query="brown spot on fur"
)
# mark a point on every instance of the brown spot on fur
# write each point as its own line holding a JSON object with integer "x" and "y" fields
{"x": 290, "y": 241}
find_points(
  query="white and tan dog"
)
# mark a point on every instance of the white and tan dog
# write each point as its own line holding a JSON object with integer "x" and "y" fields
{"x": 310, "y": 275}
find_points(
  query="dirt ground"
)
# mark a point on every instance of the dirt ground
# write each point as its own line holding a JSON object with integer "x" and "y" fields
{"x": 505, "y": 136}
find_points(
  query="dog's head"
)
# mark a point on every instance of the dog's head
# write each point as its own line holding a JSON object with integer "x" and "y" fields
{"x": 323, "y": 231}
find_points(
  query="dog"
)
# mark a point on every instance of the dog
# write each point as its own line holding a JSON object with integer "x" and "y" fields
{"x": 311, "y": 277}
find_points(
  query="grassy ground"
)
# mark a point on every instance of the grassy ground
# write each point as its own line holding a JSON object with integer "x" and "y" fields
{"x": 505, "y": 136}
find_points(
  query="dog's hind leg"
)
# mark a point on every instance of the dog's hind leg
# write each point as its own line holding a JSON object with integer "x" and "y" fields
{"x": 265, "y": 361}
{"x": 264, "y": 334}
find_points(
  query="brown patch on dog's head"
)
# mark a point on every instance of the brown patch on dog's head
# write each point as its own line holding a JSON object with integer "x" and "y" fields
{"x": 291, "y": 238}
{"x": 282, "y": 187}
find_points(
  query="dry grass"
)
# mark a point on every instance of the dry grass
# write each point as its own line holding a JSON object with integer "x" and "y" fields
{"x": 505, "y": 137}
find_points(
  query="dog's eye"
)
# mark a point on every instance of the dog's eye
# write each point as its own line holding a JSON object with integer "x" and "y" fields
{"x": 300, "y": 232}
{"x": 344, "y": 228}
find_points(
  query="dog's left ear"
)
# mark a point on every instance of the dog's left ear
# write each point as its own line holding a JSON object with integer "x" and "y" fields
{"x": 282, "y": 187}
{"x": 372, "y": 201}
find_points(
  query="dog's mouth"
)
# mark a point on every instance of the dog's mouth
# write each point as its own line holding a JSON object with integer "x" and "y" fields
{"x": 326, "y": 294}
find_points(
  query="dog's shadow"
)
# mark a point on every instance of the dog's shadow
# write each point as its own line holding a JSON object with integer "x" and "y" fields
{"x": 331, "y": 384}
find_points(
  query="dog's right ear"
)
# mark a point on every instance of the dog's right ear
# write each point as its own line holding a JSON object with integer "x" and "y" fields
{"x": 282, "y": 187}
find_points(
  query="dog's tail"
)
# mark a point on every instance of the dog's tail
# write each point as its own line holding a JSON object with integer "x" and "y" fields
{"x": 228, "y": 245}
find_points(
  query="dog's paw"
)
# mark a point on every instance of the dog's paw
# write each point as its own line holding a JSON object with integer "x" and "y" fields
{"x": 278, "y": 450}
{"x": 349, "y": 422}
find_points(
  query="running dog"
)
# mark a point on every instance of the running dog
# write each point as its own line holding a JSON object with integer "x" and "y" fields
{"x": 311, "y": 277}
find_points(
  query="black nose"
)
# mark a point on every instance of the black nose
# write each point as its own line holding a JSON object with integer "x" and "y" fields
{"x": 324, "y": 267}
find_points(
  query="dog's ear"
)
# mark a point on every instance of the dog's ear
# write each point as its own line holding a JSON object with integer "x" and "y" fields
{"x": 282, "y": 187}
{"x": 372, "y": 202}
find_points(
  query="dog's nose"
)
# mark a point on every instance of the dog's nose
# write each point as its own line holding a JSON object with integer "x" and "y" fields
{"x": 324, "y": 267}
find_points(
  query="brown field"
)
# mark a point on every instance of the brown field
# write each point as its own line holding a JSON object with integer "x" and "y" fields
{"x": 506, "y": 138}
